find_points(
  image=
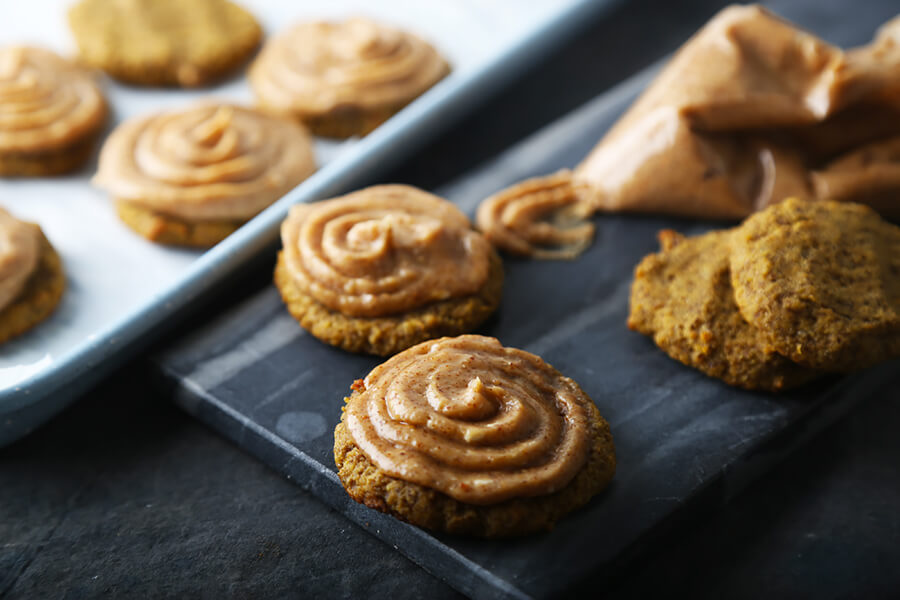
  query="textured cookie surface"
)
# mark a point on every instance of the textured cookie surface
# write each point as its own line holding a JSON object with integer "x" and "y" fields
{"x": 164, "y": 229}
{"x": 164, "y": 42}
{"x": 386, "y": 335}
{"x": 464, "y": 435}
{"x": 821, "y": 280}
{"x": 40, "y": 296}
{"x": 682, "y": 298}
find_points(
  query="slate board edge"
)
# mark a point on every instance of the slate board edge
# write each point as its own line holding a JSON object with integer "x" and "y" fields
{"x": 469, "y": 577}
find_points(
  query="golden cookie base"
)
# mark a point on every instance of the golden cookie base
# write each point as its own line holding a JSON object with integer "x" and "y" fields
{"x": 428, "y": 508}
{"x": 384, "y": 336}
{"x": 164, "y": 229}
{"x": 349, "y": 122}
{"x": 38, "y": 298}
{"x": 52, "y": 162}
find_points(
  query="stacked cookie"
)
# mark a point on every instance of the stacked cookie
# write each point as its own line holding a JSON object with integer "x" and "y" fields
{"x": 799, "y": 289}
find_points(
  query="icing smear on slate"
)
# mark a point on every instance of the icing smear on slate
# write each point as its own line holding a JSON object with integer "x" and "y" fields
{"x": 275, "y": 334}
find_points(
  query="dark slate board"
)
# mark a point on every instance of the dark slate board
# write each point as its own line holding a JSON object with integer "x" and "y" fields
{"x": 684, "y": 442}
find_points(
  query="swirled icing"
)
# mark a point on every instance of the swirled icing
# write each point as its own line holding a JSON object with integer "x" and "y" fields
{"x": 19, "y": 253}
{"x": 544, "y": 217}
{"x": 314, "y": 68}
{"x": 210, "y": 161}
{"x": 383, "y": 250}
{"x": 472, "y": 419}
{"x": 46, "y": 103}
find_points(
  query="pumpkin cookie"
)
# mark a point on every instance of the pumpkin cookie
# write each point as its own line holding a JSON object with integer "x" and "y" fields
{"x": 51, "y": 113}
{"x": 164, "y": 42}
{"x": 682, "y": 298}
{"x": 343, "y": 79}
{"x": 384, "y": 268}
{"x": 31, "y": 276}
{"x": 192, "y": 177}
{"x": 821, "y": 281}
{"x": 465, "y": 436}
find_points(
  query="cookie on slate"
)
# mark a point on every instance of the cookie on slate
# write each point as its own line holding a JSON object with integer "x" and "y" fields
{"x": 191, "y": 177}
{"x": 465, "y": 436}
{"x": 384, "y": 268}
{"x": 821, "y": 281}
{"x": 344, "y": 78}
{"x": 32, "y": 276}
{"x": 682, "y": 298}
{"x": 51, "y": 113}
{"x": 164, "y": 42}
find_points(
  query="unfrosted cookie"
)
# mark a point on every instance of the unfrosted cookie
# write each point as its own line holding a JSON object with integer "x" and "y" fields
{"x": 344, "y": 78}
{"x": 193, "y": 176}
{"x": 31, "y": 276}
{"x": 821, "y": 281}
{"x": 164, "y": 42}
{"x": 384, "y": 268}
{"x": 682, "y": 298}
{"x": 51, "y": 112}
{"x": 466, "y": 436}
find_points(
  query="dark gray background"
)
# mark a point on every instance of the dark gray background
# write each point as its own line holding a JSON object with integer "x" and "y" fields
{"x": 125, "y": 494}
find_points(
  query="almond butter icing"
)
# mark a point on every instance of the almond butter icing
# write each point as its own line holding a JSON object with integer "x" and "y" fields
{"x": 383, "y": 250}
{"x": 544, "y": 217}
{"x": 315, "y": 68}
{"x": 46, "y": 102}
{"x": 19, "y": 254}
{"x": 742, "y": 116}
{"x": 472, "y": 419}
{"x": 208, "y": 162}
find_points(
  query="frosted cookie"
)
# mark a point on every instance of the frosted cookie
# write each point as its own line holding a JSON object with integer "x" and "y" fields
{"x": 821, "y": 281}
{"x": 51, "y": 112}
{"x": 343, "y": 79}
{"x": 466, "y": 436}
{"x": 164, "y": 42}
{"x": 384, "y": 268}
{"x": 682, "y": 298}
{"x": 31, "y": 276}
{"x": 191, "y": 177}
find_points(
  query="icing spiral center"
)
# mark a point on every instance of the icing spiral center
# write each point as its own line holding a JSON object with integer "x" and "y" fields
{"x": 472, "y": 419}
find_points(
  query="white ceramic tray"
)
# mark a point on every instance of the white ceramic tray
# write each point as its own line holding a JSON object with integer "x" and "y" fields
{"x": 120, "y": 287}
